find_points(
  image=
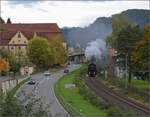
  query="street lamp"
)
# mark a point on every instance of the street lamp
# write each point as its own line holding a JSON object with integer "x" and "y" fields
{"x": 115, "y": 60}
{"x": 7, "y": 68}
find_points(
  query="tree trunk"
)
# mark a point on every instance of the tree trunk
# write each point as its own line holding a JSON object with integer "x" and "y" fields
{"x": 129, "y": 81}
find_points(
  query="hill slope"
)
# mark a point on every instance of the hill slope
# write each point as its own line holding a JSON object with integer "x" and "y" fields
{"x": 101, "y": 28}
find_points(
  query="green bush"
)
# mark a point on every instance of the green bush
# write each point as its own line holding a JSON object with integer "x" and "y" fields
{"x": 18, "y": 74}
{"x": 115, "y": 111}
{"x": 105, "y": 105}
{"x": 11, "y": 107}
{"x": 93, "y": 100}
{"x": 11, "y": 73}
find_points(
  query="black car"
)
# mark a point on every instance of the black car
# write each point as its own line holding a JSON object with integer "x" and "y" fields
{"x": 31, "y": 81}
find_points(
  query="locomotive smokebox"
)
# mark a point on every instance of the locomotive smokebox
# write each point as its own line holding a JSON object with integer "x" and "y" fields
{"x": 92, "y": 70}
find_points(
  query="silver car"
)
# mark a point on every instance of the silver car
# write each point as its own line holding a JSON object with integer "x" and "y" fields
{"x": 47, "y": 73}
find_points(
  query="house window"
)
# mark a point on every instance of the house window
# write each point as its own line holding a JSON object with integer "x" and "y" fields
{"x": 19, "y": 48}
{"x": 19, "y": 35}
{"x": 18, "y": 41}
{"x": 12, "y": 48}
{"x": 24, "y": 41}
{"x": 13, "y": 42}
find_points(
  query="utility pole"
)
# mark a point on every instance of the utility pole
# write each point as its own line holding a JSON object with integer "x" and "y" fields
{"x": 7, "y": 68}
{"x": 126, "y": 85}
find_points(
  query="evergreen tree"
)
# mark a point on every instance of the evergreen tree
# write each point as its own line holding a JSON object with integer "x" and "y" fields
{"x": 8, "y": 21}
{"x": 1, "y": 20}
{"x": 126, "y": 44}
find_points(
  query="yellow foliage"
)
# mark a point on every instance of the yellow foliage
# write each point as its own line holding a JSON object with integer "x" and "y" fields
{"x": 140, "y": 56}
{"x": 59, "y": 52}
{"x": 84, "y": 60}
{"x": 70, "y": 49}
{"x": 4, "y": 66}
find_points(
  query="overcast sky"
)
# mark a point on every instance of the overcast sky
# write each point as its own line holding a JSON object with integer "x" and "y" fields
{"x": 65, "y": 13}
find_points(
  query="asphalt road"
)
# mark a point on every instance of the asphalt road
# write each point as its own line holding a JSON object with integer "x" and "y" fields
{"x": 44, "y": 89}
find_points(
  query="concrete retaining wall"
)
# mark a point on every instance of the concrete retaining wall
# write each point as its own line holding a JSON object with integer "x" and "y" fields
{"x": 9, "y": 84}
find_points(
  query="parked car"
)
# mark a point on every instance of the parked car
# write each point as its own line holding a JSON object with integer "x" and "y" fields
{"x": 66, "y": 71}
{"x": 31, "y": 81}
{"x": 47, "y": 73}
{"x": 68, "y": 63}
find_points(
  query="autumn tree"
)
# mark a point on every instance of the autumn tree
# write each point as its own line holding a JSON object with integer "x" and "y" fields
{"x": 117, "y": 24}
{"x": 126, "y": 43}
{"x": 140, "y": 58}
{"x": 59, "y": 52}
{"x": 38, "y": 51}
{"x": 4, "y": 66}
{"x": 16, "y": 60}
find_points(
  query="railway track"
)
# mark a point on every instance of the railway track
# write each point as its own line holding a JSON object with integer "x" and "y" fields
{"x": 108, "y": 94}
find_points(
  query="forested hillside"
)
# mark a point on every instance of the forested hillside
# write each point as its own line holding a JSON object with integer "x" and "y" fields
{"x": 101, "y": 27}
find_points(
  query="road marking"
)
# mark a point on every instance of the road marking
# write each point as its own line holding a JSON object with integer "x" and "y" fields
{"x": 58, "y": 75}
{"x": 36, "y": 91}
{"x": 42, "y": 81}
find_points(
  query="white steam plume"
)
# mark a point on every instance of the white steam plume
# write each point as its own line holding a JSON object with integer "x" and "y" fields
{"x": 97, "y": 50}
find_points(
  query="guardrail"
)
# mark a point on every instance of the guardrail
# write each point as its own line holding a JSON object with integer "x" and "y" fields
{"x": 71, "y": 110}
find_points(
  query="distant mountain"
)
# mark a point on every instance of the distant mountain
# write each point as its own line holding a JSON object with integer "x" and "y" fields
{"x": 101, "y": 27}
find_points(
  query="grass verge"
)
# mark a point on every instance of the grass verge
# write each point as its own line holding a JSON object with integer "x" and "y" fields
{"x": 139, "y": 84}
{"x": 76, "y": 99}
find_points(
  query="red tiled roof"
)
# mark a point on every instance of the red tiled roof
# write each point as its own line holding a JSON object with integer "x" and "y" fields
{"x": 39, "y": 27}
{"x": 5, "y": 36}
{"x": 46, "y": 30}
{"x": 28, "y": 34}
{"x": 50, "y": 35}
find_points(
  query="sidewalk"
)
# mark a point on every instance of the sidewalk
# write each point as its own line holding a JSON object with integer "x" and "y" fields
{"x": 5, "y": 78}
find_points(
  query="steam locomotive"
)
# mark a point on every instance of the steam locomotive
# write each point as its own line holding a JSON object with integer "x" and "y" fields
{"x": 92, "y": 70}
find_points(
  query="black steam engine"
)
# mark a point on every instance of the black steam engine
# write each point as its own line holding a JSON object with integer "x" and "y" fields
{"x": 92, "y": 70}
